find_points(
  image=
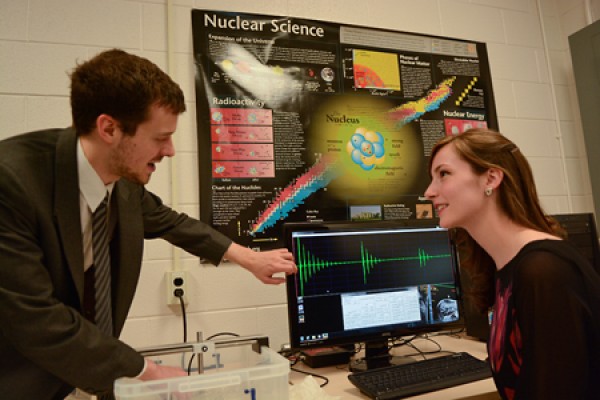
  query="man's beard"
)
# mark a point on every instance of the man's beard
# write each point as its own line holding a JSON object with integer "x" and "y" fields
{"x": 123, "y": 169}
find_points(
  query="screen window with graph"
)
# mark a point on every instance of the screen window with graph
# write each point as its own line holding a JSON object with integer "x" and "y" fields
{"x": 366, "y": 282}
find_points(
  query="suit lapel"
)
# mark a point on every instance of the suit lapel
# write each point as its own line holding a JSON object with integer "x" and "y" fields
{"x": 66, "y": 206}
{"x": 129, "y": 230}
{"x": 130, "y": 236}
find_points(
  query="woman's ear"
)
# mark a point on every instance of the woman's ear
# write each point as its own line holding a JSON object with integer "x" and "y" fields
{"x": 494, "y": 177}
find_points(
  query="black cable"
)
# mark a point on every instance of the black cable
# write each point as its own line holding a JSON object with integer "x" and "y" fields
{"x": 402, "y": 341}
{"x": 189, "y": 368}
{"x": 294, "y": 358}
{"x": 179, "y": 294}
{"x": 180, "y": 297}
{"x": 325, "y": 379}
{"x": 420, "y": 352}
{"x": 222, "y": 334}
{"x": 405, "y": 342}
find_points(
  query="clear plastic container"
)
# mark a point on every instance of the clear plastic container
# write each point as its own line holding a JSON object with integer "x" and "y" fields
{"x": 235, "y": 374}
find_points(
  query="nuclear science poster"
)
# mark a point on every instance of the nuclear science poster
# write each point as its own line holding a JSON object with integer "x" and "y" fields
{"x": 302, "y": 120}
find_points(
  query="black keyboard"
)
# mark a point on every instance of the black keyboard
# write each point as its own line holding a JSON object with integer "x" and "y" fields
{"x": 405, "y": 380}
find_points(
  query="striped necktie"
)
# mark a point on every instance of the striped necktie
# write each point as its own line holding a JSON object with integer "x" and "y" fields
{"x": 102, "y": 285}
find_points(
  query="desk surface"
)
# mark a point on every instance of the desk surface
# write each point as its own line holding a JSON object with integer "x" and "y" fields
{"x": 479, "y": 390}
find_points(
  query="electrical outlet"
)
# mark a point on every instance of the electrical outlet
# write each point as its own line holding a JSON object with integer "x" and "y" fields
{"x": 176, "y": 282}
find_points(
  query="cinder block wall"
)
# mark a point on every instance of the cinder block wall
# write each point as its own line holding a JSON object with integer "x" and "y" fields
{"x": 41, "y": 40}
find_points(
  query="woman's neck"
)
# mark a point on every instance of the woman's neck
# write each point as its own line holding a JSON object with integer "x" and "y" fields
{"x": 502, "y": 238}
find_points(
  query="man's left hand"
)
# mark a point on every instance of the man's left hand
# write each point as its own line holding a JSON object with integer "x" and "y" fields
{"x": 263, "y": 265}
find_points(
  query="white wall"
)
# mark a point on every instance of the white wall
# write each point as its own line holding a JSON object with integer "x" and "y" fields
{"x": 40, "y": 41}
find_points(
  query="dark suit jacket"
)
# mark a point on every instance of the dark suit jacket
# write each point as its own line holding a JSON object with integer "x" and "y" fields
{"x": 46, "y": 346}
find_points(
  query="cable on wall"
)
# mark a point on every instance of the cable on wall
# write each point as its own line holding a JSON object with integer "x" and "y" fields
{"x": 559, "y": 134}
{"x": 588, "y": 12}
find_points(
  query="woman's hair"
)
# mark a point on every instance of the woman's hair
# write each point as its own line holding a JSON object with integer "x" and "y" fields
{"x": 483, "y": 149}
{"x": 123, "y": 86}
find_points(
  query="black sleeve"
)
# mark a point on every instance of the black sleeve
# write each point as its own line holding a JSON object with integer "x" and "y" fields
{"x": 551, "y": 312}
{"x": 181, "y": 230}
{"x": 37, "y": 329}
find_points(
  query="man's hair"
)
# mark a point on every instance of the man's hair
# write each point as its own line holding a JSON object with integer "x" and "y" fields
{"x": 123, "y": 86}
{"x": 483, "y": 149}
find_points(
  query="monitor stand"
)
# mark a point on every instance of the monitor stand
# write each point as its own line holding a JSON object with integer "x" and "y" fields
{"x": 377, "y": 355}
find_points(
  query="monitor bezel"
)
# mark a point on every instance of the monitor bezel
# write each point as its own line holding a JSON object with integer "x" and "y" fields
{"x": 384, "y": 334}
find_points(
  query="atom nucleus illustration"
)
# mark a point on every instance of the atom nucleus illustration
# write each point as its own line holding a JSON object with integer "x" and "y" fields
{"x": 366, "y": 148}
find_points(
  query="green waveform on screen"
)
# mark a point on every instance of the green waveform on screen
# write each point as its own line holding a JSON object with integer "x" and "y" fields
{"x": 309, "y": 265}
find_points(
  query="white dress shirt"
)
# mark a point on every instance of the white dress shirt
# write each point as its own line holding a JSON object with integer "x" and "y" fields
{"x": 91, "y": 193}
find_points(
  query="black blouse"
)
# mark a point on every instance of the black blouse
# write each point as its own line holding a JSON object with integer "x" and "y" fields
{"x": 545, "y": 336}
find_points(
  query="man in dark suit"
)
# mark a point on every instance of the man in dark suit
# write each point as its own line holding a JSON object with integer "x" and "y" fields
{"x": 125, "y": 110}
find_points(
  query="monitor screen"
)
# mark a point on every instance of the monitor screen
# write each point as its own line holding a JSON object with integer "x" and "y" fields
{"x": 361, "y": 282}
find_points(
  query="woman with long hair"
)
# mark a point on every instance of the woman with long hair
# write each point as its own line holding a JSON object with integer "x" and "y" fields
{"x": 545, "y": 333}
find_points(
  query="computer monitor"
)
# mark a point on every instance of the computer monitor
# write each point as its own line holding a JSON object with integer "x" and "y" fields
{"x": 370, "y": 282}
{"x": 581, "y": 233}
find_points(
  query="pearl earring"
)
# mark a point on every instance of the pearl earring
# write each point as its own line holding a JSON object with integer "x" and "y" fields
{"x": 488, "y": 191}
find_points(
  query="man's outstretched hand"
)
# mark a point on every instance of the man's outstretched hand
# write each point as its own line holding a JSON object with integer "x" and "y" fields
{"x": 264, "y": 265}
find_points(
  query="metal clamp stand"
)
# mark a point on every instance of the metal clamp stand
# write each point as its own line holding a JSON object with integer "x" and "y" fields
{"x": 208, "y": 347}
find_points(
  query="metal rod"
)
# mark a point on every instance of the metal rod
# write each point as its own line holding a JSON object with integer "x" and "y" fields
{"x": 256, "y": 341}
{"x": 199, "y": 337}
